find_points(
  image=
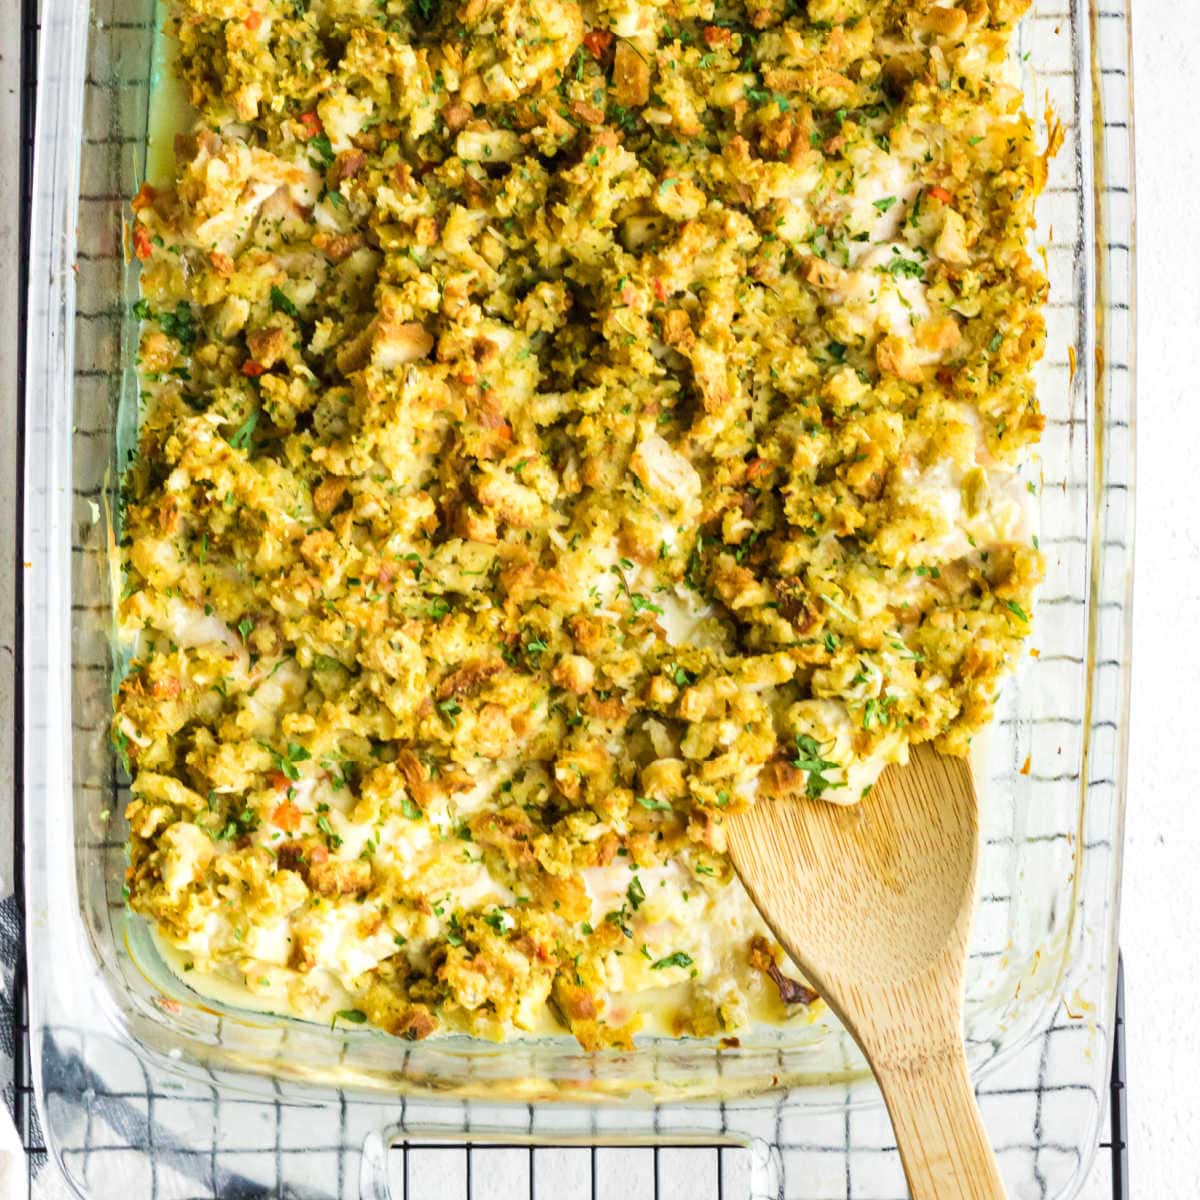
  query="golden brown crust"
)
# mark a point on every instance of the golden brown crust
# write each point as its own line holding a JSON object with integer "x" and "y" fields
{"x": 552, "y": 440}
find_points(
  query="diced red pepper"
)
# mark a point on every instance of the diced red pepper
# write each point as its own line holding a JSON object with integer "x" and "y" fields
{"x": 597, "y": 42}
{"x": 312, "y": 123}
{"x": 252, "y": 368}
{"x": 659, "y": 289}
{"x": 141, "y": 242}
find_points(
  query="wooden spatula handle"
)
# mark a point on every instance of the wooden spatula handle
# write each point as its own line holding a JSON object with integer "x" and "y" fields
{"x": 943, "y": 1144}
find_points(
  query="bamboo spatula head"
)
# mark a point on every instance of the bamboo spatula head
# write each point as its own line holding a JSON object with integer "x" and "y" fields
{"x": 873, "y": 902}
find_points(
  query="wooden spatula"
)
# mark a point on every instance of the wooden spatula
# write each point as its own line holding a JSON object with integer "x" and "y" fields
{"x": 873, "y": 902}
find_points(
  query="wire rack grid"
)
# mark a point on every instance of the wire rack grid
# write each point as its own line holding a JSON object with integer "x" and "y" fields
{"x": 847, "y": 1152}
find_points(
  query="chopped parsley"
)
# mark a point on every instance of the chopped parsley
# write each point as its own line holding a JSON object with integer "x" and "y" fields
{"x": 877, "y": 711}
{"x": 241, "y": 437}
{"x": 330, "y": 836}
{"x": 281, "y": 303}
{"x": 809, "y": 760}
{"x": 678, "y": 959}
{"x": 639, "y": 603}
{"x": 904, "y": 267}
{"x": 286, "y": 762}
{"x": 178, "y": 324}
{"x": 323, "y": 151}
{"x": 653, "y": 805}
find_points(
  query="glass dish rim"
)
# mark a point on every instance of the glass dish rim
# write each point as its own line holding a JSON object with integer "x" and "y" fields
{"x": 44, "y": 290}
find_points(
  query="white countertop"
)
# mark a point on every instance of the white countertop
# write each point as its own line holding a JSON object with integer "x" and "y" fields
{"x": 1161, "y": 911}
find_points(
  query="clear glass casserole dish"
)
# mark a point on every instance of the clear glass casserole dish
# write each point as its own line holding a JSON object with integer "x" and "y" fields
{"x": 140, "y": 1080}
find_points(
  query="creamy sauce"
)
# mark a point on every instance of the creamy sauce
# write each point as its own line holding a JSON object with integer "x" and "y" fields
{"x": 723, "y": 913}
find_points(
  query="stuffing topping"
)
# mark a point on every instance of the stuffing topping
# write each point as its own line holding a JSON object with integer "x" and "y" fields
{"x": 562, "y": 425}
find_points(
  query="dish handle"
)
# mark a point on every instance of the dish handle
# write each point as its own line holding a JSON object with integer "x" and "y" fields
{"x": 763, "y": 1181}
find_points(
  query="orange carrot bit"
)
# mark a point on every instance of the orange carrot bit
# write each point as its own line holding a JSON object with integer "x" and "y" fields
{"x": 757, "y": 467}
{"x": 940, "y": 193}
{"x": 287, "y": 817}
{"x": 660, "y": 289}
{"x": 252, "y": 369}
{"x": 253, "y": 21}
{"x": 146, "y": 195}
{"x": 312, "y": 123}
{"x": 1026, "y": 765}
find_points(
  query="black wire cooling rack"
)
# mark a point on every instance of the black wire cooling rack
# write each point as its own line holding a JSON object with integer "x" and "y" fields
{"x": 23, "y": 1101}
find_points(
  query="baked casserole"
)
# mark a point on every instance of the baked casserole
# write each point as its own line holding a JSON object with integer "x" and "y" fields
{"x": 561, "y": 425}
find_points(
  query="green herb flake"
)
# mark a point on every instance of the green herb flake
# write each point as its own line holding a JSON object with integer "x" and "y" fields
{"x": 323, "y": 150}
{"x": 640, "y": 603}
{"x": 809, "y": 760}
{"x": 241, "y": 437}
{"x": 324, "y": 826}
{"x": 904, "y": 267}
{"x": 178, "y": 324}
{"x": 653, "y": 805}
{"x": 678, "y": 959}
{"x": 281, "y": 303}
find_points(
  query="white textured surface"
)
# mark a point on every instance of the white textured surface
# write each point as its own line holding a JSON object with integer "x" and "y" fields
{"x": 12, "y": 1167}
{"x": 10, "y": 149}
{"x": 1161, "y": 906}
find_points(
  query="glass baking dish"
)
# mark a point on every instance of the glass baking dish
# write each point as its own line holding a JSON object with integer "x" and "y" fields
{"x": 138, "y": 1079}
